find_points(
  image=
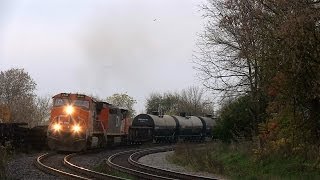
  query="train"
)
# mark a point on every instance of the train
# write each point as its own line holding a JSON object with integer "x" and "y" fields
{"x": 78, "y": 122}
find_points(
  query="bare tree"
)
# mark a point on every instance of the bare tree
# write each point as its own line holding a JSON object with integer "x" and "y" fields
{"x": 42, "y": 111}
{"x": 17, "y": 92}
{"x": 194, "y": 102}
{"x": 191, "y": 100}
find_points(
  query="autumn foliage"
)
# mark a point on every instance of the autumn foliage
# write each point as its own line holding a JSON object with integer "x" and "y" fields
{"x": 269, "y": 51}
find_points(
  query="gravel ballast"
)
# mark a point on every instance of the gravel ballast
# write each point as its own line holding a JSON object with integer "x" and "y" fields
{"x": 22, "y": 167}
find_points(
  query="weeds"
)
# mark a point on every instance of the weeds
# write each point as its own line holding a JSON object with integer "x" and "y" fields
{"x": 5, "y": 154}
{"x": 238, "y": 161}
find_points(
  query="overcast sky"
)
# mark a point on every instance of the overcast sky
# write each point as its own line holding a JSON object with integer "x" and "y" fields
{"x": 102, "y": 47}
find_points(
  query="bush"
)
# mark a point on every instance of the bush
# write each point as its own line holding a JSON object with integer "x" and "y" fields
{"x": 235, "y": 120}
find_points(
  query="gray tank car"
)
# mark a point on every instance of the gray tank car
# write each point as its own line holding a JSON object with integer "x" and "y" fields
{"x": 147, "y": 127}
{"x": 190, "y": 127}
{"x": 208, "y": 124}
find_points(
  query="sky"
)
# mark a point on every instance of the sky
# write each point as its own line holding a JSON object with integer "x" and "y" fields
{"x": 102, "y": 47}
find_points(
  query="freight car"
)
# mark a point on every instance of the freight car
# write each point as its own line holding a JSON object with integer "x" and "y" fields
{"x": 78, "y": 122}
{"x": 21, "y": 137}
{"x": 155, "y": 127}
{"x": 147, "y": 127}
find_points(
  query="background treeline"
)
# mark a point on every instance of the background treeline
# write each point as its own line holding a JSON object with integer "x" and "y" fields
{"x": 263, "y": 58}
{"x": 192, "y": 101}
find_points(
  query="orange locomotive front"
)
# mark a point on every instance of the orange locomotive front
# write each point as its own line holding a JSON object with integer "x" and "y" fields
{"x": 79, "y": 122}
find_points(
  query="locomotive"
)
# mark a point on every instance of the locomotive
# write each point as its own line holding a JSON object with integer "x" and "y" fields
{"x": 78, "y": 122}
{"x": 166, "y": 128}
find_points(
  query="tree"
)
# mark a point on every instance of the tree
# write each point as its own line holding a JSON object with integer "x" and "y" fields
{"x": 167, "y": 103}
{"x": 190, "y": 100}
{"x": 42, "y": 111}
{"x": 17, "y": 92}
{"x": 18, "y": 102}
{"x": 123, "y": 100}
{"x": 193, "y": 101}
{"x": 270, "y": 49}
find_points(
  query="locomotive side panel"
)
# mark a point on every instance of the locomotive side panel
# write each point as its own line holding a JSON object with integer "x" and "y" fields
{"x": 114, "y": 121}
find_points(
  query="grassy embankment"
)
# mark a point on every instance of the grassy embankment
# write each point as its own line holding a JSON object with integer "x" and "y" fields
{"x": 5, "y": 154}
{"x": 240, "y": 162}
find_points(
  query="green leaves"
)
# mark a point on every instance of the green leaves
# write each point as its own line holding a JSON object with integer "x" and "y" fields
{"x": 123, "y": 100}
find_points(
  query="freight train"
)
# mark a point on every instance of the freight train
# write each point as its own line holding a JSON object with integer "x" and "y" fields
{"x": 78, "y": 122}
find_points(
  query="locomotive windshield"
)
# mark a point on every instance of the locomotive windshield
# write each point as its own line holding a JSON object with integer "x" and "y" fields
{"x": 60, "y": 102}
{"x": 79, "y": 103}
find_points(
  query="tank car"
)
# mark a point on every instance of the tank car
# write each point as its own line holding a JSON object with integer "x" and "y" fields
{"x": 190, "y": 128}
{"x": 147, "y": 127}
{"x": 78, "y": 122}
{"x": 208, "y": 123}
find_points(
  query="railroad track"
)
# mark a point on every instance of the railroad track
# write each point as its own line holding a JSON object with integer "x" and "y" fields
{"x": 77, "y": 172}
{"x": 127, "y": 162}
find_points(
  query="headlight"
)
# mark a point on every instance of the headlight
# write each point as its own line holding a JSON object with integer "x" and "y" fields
{"x": 76, "y": 128}
{"x": 56, "y": 127}
{"x": 69, "y": 109}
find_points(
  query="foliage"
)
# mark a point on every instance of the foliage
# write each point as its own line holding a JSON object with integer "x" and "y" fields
{"x": 166, "y": 102}
{"x": 17, "y": 92}
{"x": 123, "y": 100}
{"x": 191, "y": 100}
{"x": 237, "y": 161}
{"x": 17, "y": 96}
{"x": 234, "y": 120}
{"x": 267, "y": 48}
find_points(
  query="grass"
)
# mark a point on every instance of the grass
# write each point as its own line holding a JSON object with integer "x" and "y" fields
{"x": 104, "y": 169}
{"x": 5, "y": 155}
{"x": 238, "y": 162}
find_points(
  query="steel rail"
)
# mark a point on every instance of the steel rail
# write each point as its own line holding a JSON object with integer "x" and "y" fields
{"x": 45, "y": 168}
{"x": 131, "y": 171}
{"x": 164, "y": 172}
{"x": 87, "y": 172}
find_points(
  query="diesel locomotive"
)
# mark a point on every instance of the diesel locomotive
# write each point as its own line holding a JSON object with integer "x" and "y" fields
{"x": 79, "y": 122}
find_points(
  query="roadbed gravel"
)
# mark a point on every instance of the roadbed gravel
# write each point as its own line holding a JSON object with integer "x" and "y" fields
{"x": 22, "y": 167}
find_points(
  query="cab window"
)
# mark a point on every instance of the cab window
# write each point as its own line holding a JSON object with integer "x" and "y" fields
{"x": 81, "y": 103}
{"x": 60, "y": 102}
